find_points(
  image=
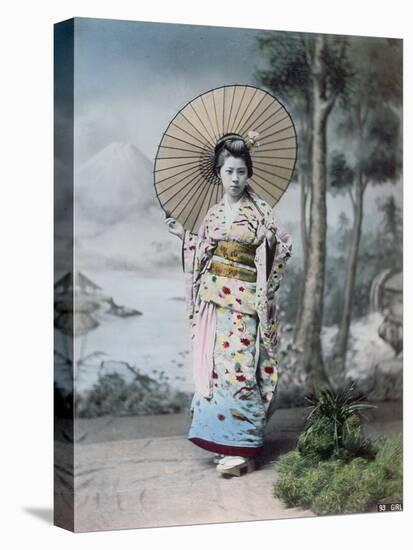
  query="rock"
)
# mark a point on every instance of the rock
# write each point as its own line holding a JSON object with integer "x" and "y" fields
{"x": 387, "y": 381}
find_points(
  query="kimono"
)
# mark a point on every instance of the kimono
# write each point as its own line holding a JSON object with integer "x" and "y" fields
{"x": 232, "y": 275}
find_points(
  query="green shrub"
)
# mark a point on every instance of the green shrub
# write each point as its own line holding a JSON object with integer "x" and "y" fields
{"x": 334, "y": 468}
{"x": 317, "y": 441}
{"x": 333, "y": 426}
{"x": 292, "y": 468}
{"x": 342, "y": 486}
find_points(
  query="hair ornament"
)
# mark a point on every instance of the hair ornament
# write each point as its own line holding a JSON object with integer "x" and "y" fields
{"x": 252, "y": 139}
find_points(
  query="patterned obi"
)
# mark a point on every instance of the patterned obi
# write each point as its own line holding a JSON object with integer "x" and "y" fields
{"x": 235, "y": 260}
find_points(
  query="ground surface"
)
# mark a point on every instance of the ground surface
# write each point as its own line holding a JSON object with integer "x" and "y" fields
{"x": 142, "y": 472}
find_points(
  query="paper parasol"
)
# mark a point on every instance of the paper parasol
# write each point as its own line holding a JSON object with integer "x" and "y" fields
{"x": 184, "y": 177}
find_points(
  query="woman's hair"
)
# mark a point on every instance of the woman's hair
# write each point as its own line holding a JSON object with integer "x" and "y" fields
{"x": 232, "y": 145}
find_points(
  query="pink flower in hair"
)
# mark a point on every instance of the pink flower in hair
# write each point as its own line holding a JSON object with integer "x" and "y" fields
{"x": 253, "y": 135}
{"x": 252, "y": 139}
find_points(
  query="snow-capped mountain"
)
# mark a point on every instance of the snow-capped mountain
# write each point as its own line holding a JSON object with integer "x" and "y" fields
{"x": 114, "y": 183}
{"x": 119, "y": 223}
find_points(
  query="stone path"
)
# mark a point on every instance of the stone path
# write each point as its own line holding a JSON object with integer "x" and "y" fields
{"x": 143, "y": 472}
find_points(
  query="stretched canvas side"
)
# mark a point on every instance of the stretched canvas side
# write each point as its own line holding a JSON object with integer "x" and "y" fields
{"x": 63, "y": 275}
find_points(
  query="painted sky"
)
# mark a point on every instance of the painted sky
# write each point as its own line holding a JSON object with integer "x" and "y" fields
{"x": 132, "y": 77}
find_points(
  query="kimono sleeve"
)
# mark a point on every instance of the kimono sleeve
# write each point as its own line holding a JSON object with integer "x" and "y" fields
{"x": 189, "y": 247}
{"x": 267, "y": 368}
{"x": 189, "y": 244}
{"x": 282, "y": 253}
{"x": 196, "y": 251}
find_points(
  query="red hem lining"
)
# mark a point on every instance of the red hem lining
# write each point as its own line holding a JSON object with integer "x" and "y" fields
{"x": 225, "y": 449}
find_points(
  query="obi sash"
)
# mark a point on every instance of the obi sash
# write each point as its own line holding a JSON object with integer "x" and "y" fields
{"x": 235, "y": 260}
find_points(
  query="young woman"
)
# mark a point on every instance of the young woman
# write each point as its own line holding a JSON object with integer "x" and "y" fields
{"x": 233, "y": 268}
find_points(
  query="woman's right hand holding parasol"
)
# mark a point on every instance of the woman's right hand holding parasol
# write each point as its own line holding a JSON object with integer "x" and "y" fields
{"x": 175, "y": 227}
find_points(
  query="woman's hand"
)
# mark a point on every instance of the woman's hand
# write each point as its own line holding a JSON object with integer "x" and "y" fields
{"x": 267, "y": 230}
{"x": 270, "y": 236}
{"x": 175, "y": 227}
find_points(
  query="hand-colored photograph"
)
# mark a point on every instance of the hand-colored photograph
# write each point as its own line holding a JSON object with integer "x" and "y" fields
{"x": 228, "y": 258}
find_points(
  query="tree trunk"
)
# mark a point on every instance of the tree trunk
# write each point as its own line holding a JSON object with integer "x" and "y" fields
{"x": 304, "y": 240}
{"x": 305, "y": 185}
{"x": 308, "y": 336}
{"x": 340, "y": 348}
{"x": 303, "y": 222}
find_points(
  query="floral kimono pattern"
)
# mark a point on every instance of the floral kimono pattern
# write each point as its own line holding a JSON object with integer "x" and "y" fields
{"x": 231, "y": 418}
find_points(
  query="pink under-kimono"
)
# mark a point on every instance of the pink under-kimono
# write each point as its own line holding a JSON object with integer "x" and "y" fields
{"x": 234, "y": 328}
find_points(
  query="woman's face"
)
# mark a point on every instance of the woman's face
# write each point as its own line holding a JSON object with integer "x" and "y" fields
{"x": 234, "y": 176}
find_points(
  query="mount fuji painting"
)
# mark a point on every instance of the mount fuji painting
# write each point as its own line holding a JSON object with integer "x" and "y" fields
{"x": 119, "y": 222}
